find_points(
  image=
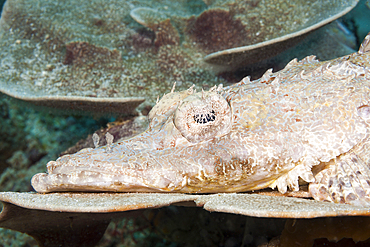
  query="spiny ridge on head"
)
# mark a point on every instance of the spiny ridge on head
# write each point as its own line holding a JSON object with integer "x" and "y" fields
{"x": 365, "y": 45}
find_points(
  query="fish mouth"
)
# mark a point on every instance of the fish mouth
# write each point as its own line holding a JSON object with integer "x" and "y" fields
{"x": 121, "y": 167}
{"x": 131, "y": 167}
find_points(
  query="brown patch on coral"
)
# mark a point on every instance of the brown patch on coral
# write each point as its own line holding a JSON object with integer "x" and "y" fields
{"x": 83, "y": 53}
{"x": 99, "y": 22}
{"x": 155, "y": 35}
{"x": 143, "y": 39}
{"x": 216, "y": 30}
{"x": 254, "y": 3}
{"x": 165, "y": 34}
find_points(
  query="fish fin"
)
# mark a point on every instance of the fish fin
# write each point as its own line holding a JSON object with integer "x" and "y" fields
{"x": 345, "y": 179}
{"x": 291, "y": 179}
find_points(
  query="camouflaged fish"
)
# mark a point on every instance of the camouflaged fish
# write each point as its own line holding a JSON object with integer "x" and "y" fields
{"x": 309, "y": 121}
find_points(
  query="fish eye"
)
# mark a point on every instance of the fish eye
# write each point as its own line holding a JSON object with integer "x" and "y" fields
{"x": 202, "y": 116}
{"x": 206, "y": 117}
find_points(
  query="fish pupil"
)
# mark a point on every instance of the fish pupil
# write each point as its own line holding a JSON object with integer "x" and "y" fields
{"x": 203, "y": 118}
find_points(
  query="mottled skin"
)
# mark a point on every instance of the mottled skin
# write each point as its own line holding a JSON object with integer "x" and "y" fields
{"x": 309, "y": 120}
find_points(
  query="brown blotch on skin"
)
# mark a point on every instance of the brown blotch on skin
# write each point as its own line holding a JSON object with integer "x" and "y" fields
{"x": 330, "y": 183}
{"x": 341, "y": 200}
{"x": 229, "y": 167}
{"x": 323, "y": 190}
{"x": 333, "y": 195}
{"x": 354, "y": 160}
{"x": 216, "y": 30}
{"x": 351, "y": 197}
{"x": 82, "y": 53}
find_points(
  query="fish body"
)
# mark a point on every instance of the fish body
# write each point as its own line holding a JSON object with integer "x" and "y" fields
{"x": 310, "y": 120}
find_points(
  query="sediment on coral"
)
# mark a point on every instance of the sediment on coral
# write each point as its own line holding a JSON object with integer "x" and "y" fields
{"x": 216, "y": 30}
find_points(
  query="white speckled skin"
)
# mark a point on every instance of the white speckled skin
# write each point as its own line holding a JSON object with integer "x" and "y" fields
{"x": 252, "y": 135}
